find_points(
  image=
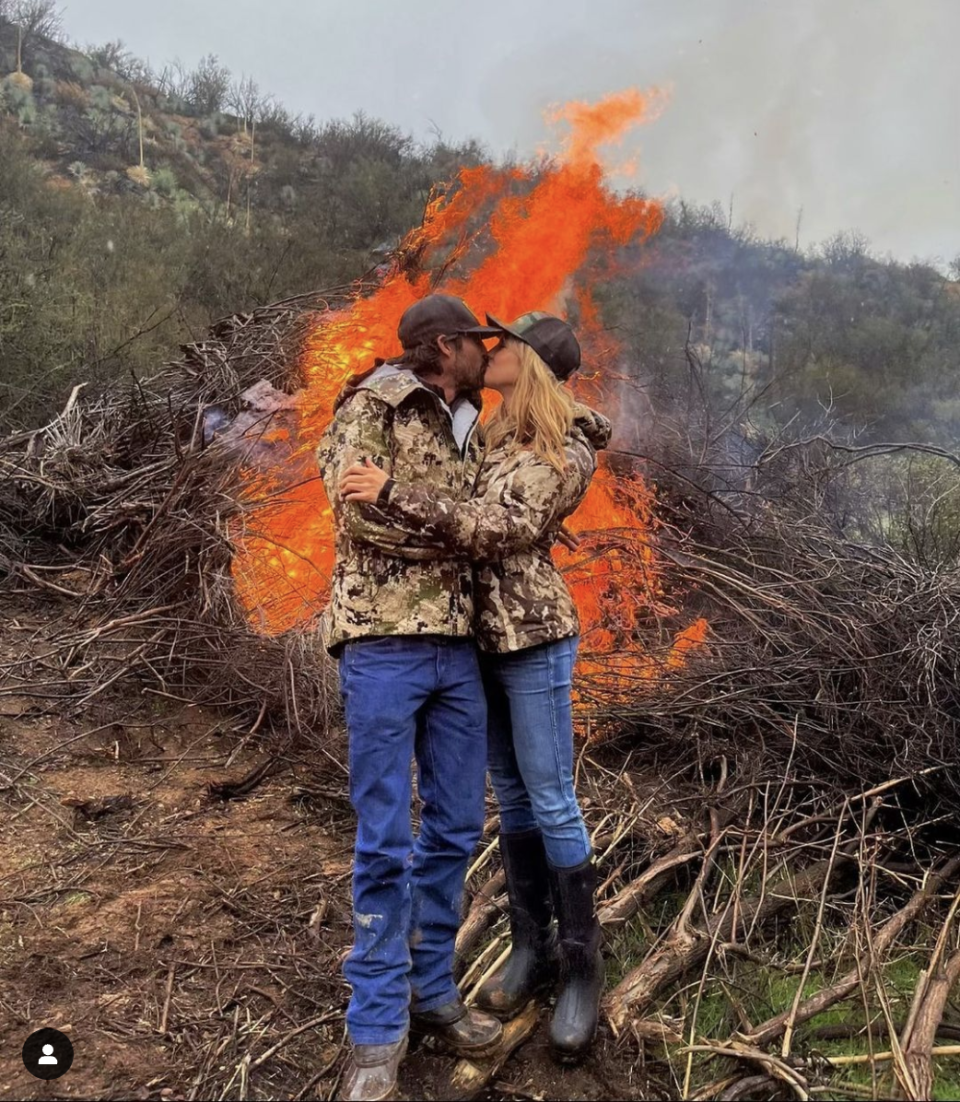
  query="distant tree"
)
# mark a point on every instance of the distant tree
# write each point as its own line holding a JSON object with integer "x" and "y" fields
{"x": 245, "y": 100}
{"x": 99, "y": 131}
{"x": 173, "y": 82}
{"x": 273, "y": 114}
{"x": 305, "y": 131}
{"x": 35, "y": 18}
{"x": 110, "y": 55}
{"x": 847, "y": 249}
{"x": 209, "y": 84}
{"x": 115, "y": 57}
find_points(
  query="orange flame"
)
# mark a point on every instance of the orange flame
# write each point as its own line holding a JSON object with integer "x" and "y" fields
{"x": 534, "y": 229}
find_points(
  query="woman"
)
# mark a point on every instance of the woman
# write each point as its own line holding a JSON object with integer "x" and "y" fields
{"x": 539, "y": 457}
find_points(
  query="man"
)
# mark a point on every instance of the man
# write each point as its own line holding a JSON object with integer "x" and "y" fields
{"x": 400, "y": 621}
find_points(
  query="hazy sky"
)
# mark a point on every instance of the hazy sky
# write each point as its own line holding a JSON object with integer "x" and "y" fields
{"x": 849, "y": 109}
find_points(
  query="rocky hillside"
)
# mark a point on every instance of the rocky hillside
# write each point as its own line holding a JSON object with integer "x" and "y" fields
{"x": 136, "y": 207}
{"x": 104, "y": 121}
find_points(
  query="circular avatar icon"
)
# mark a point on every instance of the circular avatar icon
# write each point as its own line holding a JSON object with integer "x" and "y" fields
{"x": 47, "y": 1054}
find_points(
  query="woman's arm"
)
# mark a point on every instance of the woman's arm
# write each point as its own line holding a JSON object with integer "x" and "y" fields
{"x": 512, "y": 516}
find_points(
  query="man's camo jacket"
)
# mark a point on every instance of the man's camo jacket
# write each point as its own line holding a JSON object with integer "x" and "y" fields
{"x": 507, "y": 530}
{"x": 388, "y": 579}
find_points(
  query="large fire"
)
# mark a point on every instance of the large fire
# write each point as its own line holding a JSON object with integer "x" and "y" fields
{"x": 524, "y": 235}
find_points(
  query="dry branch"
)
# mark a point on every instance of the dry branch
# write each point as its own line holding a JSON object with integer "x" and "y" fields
{"x": 884, "y": 938}
{"x": 487, "y": 906}
{"x": 930, "y": 999}
{"x": 645, "y": 887}
{"x": 471, "y": 1077}
{"x": 918, "y": 1051}
{"x": 636, "y": 992}
{"x": 133, "y": 491}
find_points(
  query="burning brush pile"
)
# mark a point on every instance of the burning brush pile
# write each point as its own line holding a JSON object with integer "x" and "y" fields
{"x": 796, "y": 691}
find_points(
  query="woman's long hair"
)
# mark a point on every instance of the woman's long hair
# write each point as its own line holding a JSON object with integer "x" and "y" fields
{"x": 541, "y": 410}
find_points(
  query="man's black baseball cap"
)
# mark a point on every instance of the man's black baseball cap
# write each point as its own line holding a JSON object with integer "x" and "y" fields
{"x": 439, "y": 315}
{"x": 551, "y": 338}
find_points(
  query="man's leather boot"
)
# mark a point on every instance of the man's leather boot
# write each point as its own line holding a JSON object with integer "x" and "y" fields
{"x": 464, "y": 1030}
{"x": 577, "y": 1010}
{"x": 371, "y": 1074}
{"x": 532, "y": 963}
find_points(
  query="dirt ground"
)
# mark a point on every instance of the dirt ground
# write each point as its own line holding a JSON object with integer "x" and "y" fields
{"x": 191, "y": 946}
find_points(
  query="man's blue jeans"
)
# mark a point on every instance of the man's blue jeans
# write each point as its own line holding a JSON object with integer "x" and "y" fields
{"x": 530, "y": 734}
{"x": 410, "y": 696}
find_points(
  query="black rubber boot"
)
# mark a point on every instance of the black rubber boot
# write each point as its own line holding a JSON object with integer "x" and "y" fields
{"x": 577, "y": 1011}
{"x": 532, "y": 963}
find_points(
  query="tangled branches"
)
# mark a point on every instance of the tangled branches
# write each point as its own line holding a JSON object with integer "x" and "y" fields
{"x": 828, "y": 655}
{"x": 122, "y": 509}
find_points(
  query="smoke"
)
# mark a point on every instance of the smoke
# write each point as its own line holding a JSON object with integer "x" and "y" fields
{"x": 849, "y": 112}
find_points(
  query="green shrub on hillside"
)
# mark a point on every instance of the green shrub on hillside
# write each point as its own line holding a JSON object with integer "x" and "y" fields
{"x": 101, "y": 98}
{"x": 164, "y": 181}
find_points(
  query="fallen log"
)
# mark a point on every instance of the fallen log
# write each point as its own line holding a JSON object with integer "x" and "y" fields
{"x": 488, "y": 904}
{"x": 915, "y": 1071}
{"x": 471, "y": 1077}
{"x": 627, "y": 902}
{"x": 918, "y": 1053}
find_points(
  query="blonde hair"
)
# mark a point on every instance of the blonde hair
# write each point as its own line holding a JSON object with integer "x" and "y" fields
{"x": 541, "y": 410}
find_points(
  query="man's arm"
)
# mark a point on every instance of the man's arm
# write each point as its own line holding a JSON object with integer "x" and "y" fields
{"x": 510, "y": 519}
{"x": 360, "y": 428}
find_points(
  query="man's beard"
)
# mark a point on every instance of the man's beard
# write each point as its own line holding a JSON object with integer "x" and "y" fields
{"x": 469, "y": 378}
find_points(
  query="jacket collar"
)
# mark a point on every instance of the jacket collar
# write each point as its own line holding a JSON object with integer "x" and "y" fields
{"x": 392, "y": 383}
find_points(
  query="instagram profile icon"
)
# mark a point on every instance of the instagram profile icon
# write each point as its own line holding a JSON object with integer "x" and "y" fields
{"x": 47, "y": 1054}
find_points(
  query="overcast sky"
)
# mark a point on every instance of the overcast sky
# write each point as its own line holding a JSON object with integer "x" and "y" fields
{"x": 848, "y": 109}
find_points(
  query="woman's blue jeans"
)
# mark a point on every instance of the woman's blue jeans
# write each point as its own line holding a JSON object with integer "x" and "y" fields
{"x": 406, "y": 697}
{"x": 530, "y": 746}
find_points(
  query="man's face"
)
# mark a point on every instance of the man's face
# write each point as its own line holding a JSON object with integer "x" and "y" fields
{"x": 469, "y": 364}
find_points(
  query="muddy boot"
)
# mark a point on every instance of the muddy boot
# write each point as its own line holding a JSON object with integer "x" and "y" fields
{"x": 371, "y": 1074}
{"x": 577, "y": 1011}
{"x": 462, "y": 1029}
{"x": 532, "y": 963}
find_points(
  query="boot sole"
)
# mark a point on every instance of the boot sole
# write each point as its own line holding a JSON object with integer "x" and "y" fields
{"x": 478, "y": 1053}
{"x": 507, "y": 1016}
{"x": 393, "y": 1094}
{"x": 568, "y": 1057}
{"x": 571, "y": 1059}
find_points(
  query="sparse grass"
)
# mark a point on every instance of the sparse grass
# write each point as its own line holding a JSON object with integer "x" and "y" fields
{"x": 77, "y": 899}
{"x": 737, "y": 990}
{"x": 623, "y": 950}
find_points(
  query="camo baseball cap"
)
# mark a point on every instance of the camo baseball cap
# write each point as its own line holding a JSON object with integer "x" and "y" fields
{"x": 550, "y": 337}
{"x": 436, "y": 315}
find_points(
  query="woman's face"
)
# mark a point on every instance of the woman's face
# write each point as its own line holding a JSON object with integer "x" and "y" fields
{"x": 503, "y": 368}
